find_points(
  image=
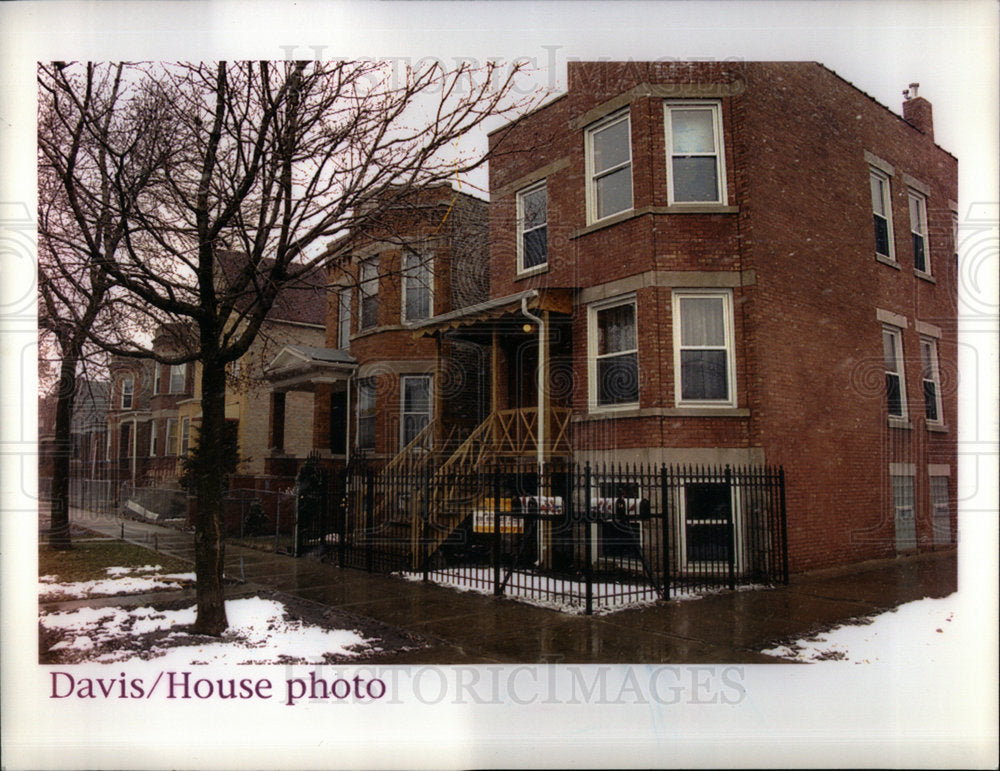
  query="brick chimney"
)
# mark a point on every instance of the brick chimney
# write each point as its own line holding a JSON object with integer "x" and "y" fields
{"x": 917, "y": 111}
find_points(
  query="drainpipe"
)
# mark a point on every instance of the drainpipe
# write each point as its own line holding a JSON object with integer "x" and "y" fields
{"x": 542, "y": 353}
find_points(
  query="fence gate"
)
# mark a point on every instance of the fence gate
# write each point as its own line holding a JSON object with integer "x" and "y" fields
{"x": 313, "y": 523}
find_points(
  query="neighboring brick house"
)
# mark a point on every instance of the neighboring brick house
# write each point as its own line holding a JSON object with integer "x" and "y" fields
{"x": 376, "y": 387}
{"x": 761, "y": 262}
{"x": 88, "y": 432}
{"x": 155, "y": 408}
{"x": 129, "y": 420}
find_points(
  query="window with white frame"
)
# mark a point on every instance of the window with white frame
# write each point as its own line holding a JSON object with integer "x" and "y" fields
{"x": 940, "y": 509}
{"x": 918, "y": 231}
{"x": 931, "y": 377}
{"x": 614, "y": 360}
{"x": 415, "y": 406}
{"x": 156, "y": 378}
{"x": 532, "y": 236}
{"x": 882, "y": 212}
{"x": 178, "y": 378}
{"x": 895, "y": 381}
{"x": 344, "y": 318}
{"x": 904, "y": 511}
{"x": 704, "y": 348}
{"x": 185, "y": 436}
{"x": 369, "y": 294}
{"x": 366, "y": 414}
{"x": 695, "y": 163}
{"x": 128, "y": 387}
{"x": 171, "y": 448}
{"x": 418, "y": 278}
{"x": 609, "y": 167}
{"x": 152, "y": 439}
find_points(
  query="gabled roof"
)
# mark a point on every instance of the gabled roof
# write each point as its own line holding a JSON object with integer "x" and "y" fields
{"x": 301, "y": 367}
{"x": 302, "y": 301}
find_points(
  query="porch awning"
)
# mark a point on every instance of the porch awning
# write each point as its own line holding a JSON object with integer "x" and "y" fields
{"x": 302, "y": 367}
{"x": 556, "y": 300}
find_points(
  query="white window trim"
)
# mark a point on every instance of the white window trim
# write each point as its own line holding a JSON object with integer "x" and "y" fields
{"x": 343, "y": 336}
{"x": 874, "y": 171}
{"x": 426, "y": 258}
{"x": 677, "y": 295}
{"x": 737, "y": 520}
{"x": 720, "y": 157}
{"x": 364, "y": 292}
{"x": 152, "y": 439}
{"x": 183, "y": 371}
{"x": 402, "y": 404}
{"x": 366, "y": 382}
{"x": 901, "y": 371}
{"x": 521, "y": 270}
{"x": 912, "y": 194}
{"x": 591, "y": 192}
{"x": 171, "y": 434}
{"x": 935, "y": 378}
{"x": 592, "y": 346}
{"x": 184, "y": 444}
{"x": 128, "y": 389}
{"x": 156, "y": 378}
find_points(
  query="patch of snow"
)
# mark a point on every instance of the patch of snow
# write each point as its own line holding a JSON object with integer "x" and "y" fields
{"x": 120, "y": 582}
{"x": 120, "y": 571}
{"x": 913, "y": 632}
{"x": 259, "y": 633}
{"x": 562, "y": 594}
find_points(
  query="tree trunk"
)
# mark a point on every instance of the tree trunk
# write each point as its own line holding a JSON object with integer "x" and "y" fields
{"x": 59, "y": 510}
{"x": 209, "y": 546}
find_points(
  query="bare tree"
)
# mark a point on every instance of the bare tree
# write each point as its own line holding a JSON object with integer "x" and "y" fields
{"x": 80, "y": 227}
{"x": 264, "y": 162}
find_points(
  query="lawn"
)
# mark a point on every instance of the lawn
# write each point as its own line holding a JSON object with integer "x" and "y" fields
{"x": 89, "y": 560}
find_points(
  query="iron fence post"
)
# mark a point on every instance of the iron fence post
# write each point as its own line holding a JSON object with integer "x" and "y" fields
{"x": 496, "y": 532}
{"x": 423, "y": 544}
{"x": 784, "y": 526}
{"x": 369, "y": 515}
{"x": 665, "y": 529}
{"x": 588, "y": 566}
{"x": 732, "y": 531}
{"x": 342, "y": 538}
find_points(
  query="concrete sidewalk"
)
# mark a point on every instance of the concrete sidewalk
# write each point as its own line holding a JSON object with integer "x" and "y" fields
{"x": 465, "y": 627}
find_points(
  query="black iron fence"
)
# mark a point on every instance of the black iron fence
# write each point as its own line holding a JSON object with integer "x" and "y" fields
{"x": 576, "y": 537}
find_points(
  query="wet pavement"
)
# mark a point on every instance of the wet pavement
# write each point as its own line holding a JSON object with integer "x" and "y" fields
{"x": 465, "y": 627}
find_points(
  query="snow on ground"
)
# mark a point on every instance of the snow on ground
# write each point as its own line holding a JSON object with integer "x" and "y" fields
{"x": 561, "y": 594}
{"x": 913, "y": 632}
{"x": 120, "y": 580}
{"x": 259, "y": 633}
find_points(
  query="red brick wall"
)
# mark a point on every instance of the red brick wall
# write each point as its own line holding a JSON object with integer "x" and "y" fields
{"x": 808, "y": 343}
